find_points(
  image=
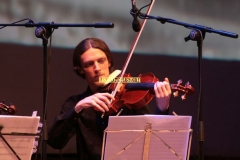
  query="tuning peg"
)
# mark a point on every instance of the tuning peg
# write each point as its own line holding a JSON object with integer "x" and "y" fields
{"x": 184, "y": 96}
{"x": 175, "y": 94}
{"x": 179, "y": 81}
{"x": 187, "y": 85}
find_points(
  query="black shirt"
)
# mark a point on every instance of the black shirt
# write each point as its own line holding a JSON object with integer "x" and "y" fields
{"x": 87, "y": 125}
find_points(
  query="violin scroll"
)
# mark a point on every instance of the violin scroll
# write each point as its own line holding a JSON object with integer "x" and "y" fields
{"x": 187, "y": 89}
{"x": 10, "y": 110}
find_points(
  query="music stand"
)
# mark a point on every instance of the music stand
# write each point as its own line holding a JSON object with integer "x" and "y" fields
{"x": 147, "y": 137}
{"x": 17, "y": 136}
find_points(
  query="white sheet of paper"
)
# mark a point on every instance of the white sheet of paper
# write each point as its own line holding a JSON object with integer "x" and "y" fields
{"x": 22, "y": 145}
{"x": 126, "y": 134}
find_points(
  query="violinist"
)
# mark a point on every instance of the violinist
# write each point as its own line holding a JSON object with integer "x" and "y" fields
{"x": 79, "y": 114}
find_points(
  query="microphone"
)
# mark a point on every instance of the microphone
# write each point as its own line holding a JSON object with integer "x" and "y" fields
{"x": 135, "y": 23}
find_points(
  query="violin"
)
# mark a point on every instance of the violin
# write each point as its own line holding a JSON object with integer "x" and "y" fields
{"x": 136, "y": 95}
{"x": 10, "y": 110}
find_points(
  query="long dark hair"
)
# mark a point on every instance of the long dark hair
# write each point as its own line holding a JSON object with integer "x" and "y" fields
{"x": 86, "y": 44}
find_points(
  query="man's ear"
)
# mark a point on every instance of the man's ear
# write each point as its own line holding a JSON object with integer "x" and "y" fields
{"x": 80, "y": 70}
{"x": 109, "y": 64}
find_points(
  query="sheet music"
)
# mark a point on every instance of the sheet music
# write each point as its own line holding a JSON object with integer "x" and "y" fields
{"x": 22, "y": 145}
{"x": 169, "y": 138}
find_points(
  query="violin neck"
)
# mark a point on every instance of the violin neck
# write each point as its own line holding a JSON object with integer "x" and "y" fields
{"x": 140, "y": 86}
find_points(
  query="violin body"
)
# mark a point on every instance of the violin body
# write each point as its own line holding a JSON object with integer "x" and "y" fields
{"x": 138, "y": 95}
{"x": 134, "y": 99}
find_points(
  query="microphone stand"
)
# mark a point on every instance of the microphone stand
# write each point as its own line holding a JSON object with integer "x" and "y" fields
{"x": 44, "y": 31}
{"x": 197, "y": 34}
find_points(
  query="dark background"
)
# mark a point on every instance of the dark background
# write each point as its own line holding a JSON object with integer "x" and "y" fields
{"x": 21, "y": 69}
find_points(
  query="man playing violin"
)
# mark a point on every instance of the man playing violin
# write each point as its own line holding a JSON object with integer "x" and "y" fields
{"x": 79, "y": 115}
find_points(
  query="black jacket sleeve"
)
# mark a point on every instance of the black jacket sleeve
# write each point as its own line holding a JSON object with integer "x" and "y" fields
{"x": 64, "y": 126}
{"x": 159, "y": 112}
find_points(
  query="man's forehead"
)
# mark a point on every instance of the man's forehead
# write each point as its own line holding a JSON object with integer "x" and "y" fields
{"x": 92, "y": 60}
{"x": 92, "y": 55}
